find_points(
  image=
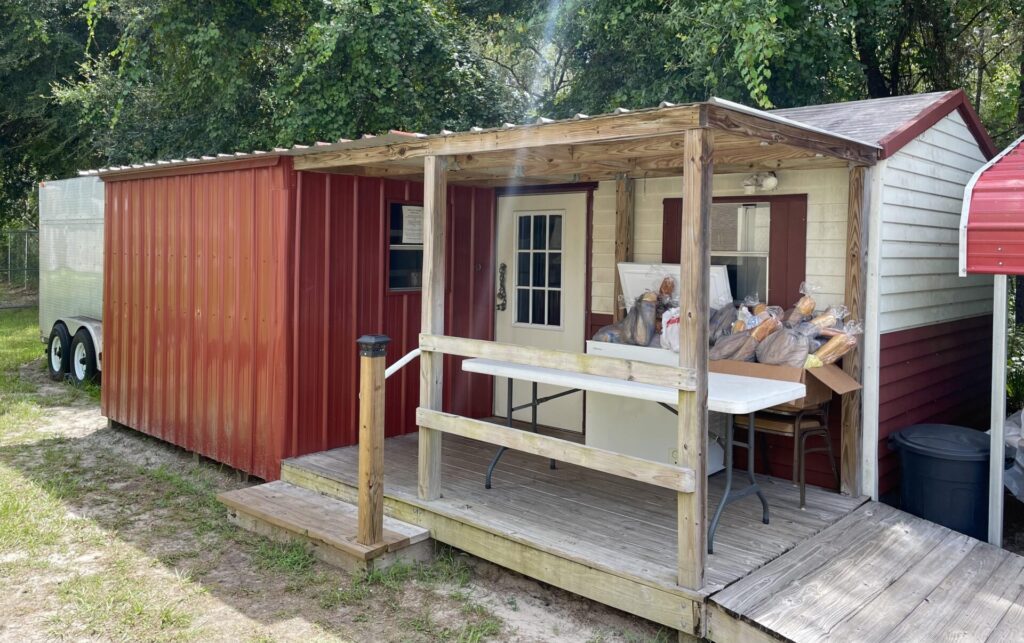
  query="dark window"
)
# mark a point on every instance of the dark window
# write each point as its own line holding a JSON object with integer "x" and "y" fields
{"x": 405, "y": 249}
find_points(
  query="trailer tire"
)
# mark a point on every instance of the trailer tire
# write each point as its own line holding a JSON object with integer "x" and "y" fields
{"x": 58, "y": 352}
{"x": 83, "y": 358}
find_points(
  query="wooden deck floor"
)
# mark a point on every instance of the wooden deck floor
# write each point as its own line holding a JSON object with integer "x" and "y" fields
{"x": 843, "y": 569}
{"x": 879, "y": 574}
{"x": 617, "y": 526}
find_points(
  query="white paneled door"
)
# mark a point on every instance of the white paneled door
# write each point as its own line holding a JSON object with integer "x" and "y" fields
{"x": 541, "y": 251}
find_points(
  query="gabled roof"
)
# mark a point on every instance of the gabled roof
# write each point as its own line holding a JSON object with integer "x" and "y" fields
{"x": 891, "y": 122}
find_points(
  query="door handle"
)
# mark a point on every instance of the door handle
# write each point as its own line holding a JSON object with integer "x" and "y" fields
{"x": 502, "y": 296}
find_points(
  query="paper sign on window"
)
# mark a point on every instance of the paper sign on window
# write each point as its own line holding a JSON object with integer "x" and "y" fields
{"x": 412, "y": 224}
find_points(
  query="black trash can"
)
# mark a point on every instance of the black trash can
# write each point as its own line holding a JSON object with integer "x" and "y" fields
{"x": 944, "y": 475}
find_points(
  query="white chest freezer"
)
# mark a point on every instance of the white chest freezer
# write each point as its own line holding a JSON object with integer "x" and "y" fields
{"x": 641, "y": 428}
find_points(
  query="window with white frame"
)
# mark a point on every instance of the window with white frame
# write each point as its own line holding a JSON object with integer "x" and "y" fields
{"x": 740, "y": 235}
{"x": 538, "y": 272}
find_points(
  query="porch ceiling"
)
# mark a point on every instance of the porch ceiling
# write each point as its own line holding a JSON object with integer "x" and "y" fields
{"x": 639, "y": 144}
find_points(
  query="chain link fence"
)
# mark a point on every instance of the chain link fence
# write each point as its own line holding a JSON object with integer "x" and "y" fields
{"x": 19, "y": 260}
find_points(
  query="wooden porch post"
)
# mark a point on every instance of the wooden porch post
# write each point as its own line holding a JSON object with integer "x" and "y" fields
{"x": 624, "y": 191}
{"x": 372, "y": 353}
{"x": 435, "y": 199}
{"x": 852, "y": 419}
{"x": 695, "y": 265}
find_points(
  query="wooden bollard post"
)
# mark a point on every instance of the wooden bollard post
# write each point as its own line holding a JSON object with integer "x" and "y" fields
{"x": 372, "y": 351}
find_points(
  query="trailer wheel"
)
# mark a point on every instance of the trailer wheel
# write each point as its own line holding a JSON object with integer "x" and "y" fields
{"x": 58, "y": 352}
{"x": 83, "y": 358}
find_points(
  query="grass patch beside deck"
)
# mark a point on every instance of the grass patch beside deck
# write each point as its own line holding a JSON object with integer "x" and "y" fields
{"x": 121, "y": 537}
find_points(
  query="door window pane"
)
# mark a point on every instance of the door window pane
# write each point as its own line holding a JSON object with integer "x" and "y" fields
{"x": 523, "y": 305}
{"x": 554, "y": 308}
{"x": 537, "y": 312}
{"x": 540, "y": 232}
{"x": 539, "y": 269}
{"x": 555, "y": 269}
{"x": 523, "y": 268}
{"x": 555, "y": 232}
{"x": 524, "y": 233}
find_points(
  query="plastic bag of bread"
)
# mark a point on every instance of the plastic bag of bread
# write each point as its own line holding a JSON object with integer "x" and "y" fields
{"x": 787, "y": 347}
{"x": 839, "y": 313}
{"x": 765, "y": 328}
{"x": 639, "y": 323}
{"x": 738, "y": 346}
{"x": 806, "y": 303}
{"x": 793, "y": 317}
{"x": 836, "y": 346}
{"x": 721, "y": 323}
{"x": 612, "y": 333}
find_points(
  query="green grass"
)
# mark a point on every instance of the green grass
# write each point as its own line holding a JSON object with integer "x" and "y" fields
{"x": 290, "y": 558}
{"x": 63, "y": 497}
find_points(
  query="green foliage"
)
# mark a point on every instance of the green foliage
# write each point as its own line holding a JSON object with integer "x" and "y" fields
{"x": 95, "y": 82}
{"x": 372, "y": 66}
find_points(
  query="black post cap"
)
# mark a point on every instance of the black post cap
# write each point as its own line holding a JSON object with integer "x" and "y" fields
{"x": 373, "y": 345}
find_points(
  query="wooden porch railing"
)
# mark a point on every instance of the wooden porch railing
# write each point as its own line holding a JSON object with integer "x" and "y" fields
{"x": 691, "y": 378}
{"x": 681, "y": 479}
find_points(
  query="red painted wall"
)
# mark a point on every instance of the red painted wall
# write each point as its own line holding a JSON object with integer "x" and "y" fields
{"x": 939, "y": 373}
{"x": 195, "y": 309}
{"x": 341, "y": 293}
{"x": 233, "y": 299}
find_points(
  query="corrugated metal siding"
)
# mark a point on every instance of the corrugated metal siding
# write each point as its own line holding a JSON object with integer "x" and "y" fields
{"x": 342, "y": 293}
{"x": 938, "y": 373}
{"x": 922, "y": 193}
{"x": 995, "y": 224}
{"x": 218, "y": 291}
{"x": 194, "y": 313}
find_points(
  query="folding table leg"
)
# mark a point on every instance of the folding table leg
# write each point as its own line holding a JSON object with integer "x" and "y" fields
{"x": 508, "y": 420}
{"x": 533, "y": 409}
{"x": 728, "y": 495}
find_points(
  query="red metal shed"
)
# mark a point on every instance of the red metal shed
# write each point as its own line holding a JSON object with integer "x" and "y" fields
{"x": 992, "y": 242}
{"x": 235, "y": 290}
{"x": 992, "y": 228}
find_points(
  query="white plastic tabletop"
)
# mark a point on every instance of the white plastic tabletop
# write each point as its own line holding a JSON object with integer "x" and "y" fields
{"x": 735, "y": 394}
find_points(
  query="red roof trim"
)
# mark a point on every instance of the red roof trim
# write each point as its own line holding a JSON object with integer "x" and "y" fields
{"x": 931, "y": 115}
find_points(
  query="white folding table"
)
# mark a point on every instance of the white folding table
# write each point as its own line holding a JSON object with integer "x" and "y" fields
{"x": 732, "y": 394}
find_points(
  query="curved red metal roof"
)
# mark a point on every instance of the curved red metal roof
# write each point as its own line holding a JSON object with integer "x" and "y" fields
{"x": 992, "y": 221}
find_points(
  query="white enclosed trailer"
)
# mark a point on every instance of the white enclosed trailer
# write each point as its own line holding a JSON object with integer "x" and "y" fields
{"x": 71, "y": 276}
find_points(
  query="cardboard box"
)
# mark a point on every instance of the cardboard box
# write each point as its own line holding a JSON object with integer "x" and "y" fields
{"x": 821, "y": 382}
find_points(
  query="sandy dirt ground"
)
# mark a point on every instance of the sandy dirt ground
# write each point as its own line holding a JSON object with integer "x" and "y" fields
{"x": 107, "y": 534}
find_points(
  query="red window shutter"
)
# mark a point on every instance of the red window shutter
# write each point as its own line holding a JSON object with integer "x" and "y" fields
{"x": 787, "y": 243}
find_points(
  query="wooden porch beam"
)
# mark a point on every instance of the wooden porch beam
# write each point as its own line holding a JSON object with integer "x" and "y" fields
{"x": 624, "y": 200}
{"x": 435, "y": 199}
{"x": 695, "y": 266}
{"x": 607, "y": 127}
{"x": 853, "y": 362}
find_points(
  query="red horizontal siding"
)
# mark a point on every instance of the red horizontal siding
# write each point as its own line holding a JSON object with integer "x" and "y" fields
{"x": 938, "y": 373}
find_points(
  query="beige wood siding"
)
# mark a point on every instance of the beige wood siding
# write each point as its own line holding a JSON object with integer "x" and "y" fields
{"x": 922, "y": 188}
{"x": 826, "y": 192}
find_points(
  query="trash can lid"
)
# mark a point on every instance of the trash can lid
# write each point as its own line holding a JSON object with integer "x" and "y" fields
{"x": 944, "y": 441}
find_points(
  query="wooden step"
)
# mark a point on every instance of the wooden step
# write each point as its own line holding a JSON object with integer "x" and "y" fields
{"x": 286, "y": 512}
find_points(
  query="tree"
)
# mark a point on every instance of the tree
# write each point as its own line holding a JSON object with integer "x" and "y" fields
{"x": 41, "y": 43}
